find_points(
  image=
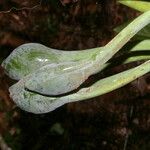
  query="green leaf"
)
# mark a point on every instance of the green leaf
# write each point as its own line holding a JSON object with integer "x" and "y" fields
{"x": 36, "y": 103}
{"x": 138, "y": 52}
{"x": 142, "y": 6}
{"x": 58, "y": 79}
{"x": 143, "y": 45}
{"x": 29, "y": 57}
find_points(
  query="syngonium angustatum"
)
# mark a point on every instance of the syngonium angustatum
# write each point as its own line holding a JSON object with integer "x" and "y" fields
{"x": 54, "y": 72}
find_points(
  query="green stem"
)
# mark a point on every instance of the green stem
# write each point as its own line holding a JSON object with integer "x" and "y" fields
{"x": 113, "y": 82}
{"x": 122, "y": 38}
{"x": 117, "y": 43}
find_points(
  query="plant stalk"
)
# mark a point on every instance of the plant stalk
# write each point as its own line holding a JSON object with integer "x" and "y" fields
{"x": 123, "y": 37}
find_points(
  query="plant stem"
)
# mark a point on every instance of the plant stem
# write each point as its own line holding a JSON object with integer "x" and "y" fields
{"x": 117, "y": 43}
{"x": 125, "y": 35}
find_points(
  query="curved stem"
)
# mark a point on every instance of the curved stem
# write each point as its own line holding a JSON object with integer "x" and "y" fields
{"x": 122, "y": 38}
{"x": 107, "y": 52}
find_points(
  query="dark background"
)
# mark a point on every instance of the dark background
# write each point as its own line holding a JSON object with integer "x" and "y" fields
{"x": 119, "y": 120}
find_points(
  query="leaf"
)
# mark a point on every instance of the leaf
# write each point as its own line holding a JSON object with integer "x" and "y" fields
{"x": 29, "y": 57}
{"x": 142, "y": 6}
{"x": 58, "y": 79}
{"x": 36, "y": 103}
{"x": 143, "y": 45}
{"x": 140, "y": 51}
